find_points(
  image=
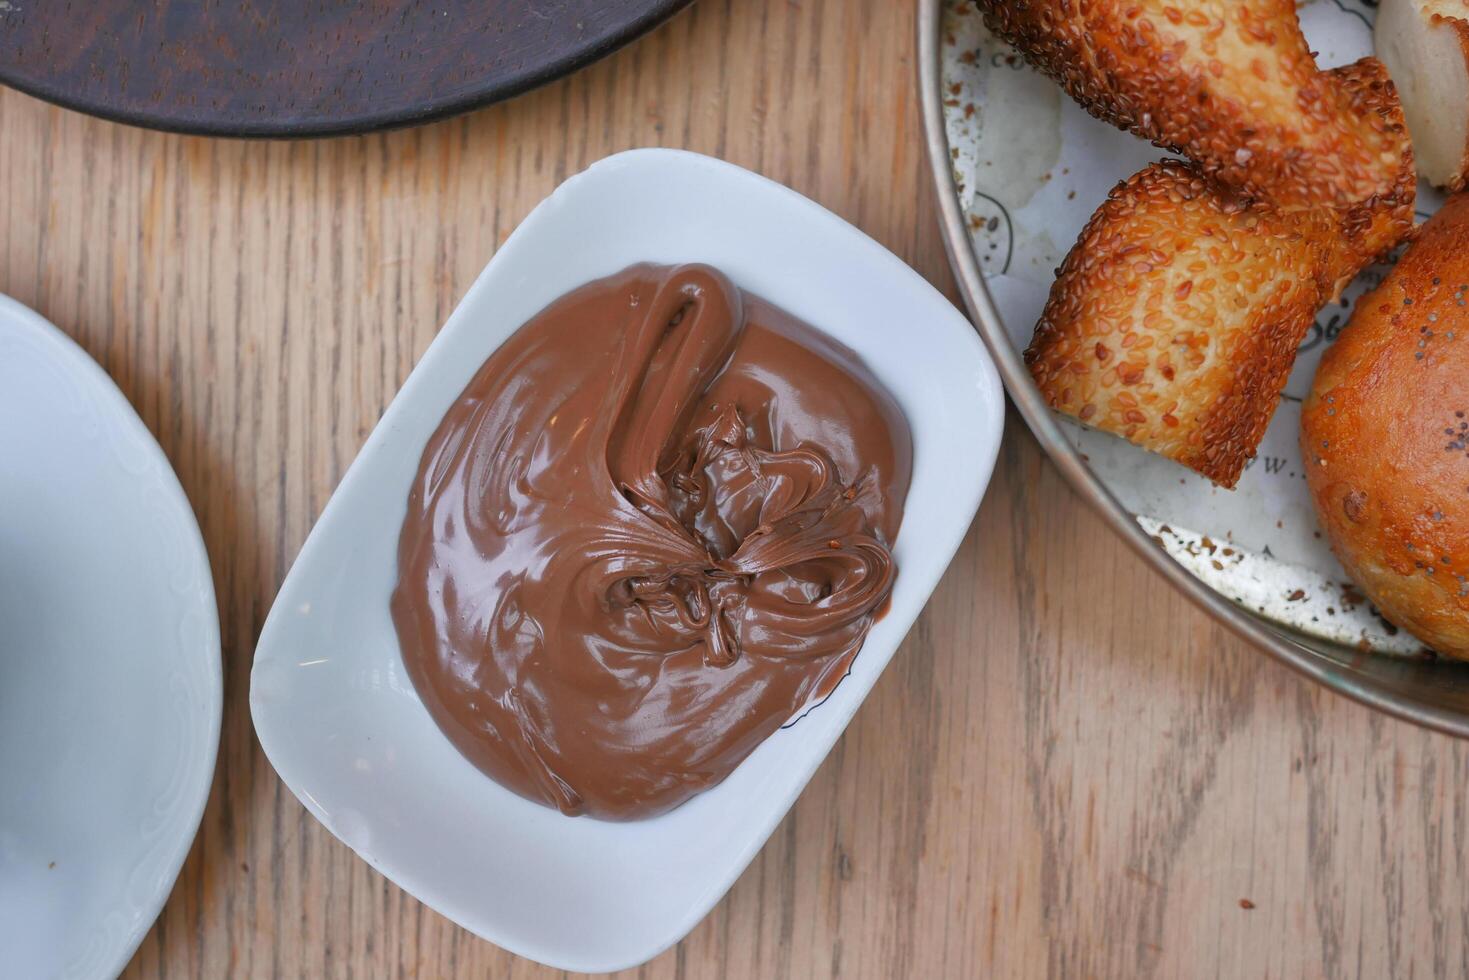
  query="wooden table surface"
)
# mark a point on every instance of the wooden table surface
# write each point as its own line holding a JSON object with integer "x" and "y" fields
{"x": 1066, "y": 770}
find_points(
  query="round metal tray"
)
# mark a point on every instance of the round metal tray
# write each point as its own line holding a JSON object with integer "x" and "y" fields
{"x": 1429, "y": 692}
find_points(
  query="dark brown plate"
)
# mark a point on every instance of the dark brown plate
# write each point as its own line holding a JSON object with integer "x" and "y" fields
{"x": 302, "y": 67}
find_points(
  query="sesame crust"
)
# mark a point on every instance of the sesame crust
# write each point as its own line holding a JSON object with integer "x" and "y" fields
{"x": 1230, "y": 84}
{"x": 1385, "y": 438}
{"x": 1375, "y": 225}
{"x": 1175, "y": 319}
{"x": 1186, "y": 351}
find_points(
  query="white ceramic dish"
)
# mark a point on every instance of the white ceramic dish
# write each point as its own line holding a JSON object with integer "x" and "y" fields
{"x": 340, "y": 719}
{"x": 109, "y": 663}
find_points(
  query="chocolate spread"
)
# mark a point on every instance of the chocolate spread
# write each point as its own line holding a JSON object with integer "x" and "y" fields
{"x": 654, "y": 527}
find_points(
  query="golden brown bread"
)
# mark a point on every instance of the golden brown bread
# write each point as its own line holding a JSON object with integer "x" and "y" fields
{"x": 1230, "y": 84}
{"x": 1385, "y": 437}
{"x": 1376, "y": 224}
{"x": 1185, "y": 352}
{"x": 1175, "y": 319}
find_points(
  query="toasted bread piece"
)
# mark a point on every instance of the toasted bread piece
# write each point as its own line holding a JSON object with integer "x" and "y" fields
{"x": 1385, "y": 438}
{"x": 1185, "y": 353}
{"x": 1425, "y": 44}
{"x": 1231, "y": 84}
{"x": 1375, "y": 225}
{"x": 1175, "y": 319}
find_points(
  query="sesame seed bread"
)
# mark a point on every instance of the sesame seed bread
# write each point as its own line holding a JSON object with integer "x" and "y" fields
{"x": 1230, "y": 84}
{"x": 1385, "y": 437}
{"x": 1375, "y": 225}
{"x": 1175, "y": 319}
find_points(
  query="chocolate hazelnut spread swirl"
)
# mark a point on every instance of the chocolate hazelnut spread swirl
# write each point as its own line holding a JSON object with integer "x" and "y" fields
{"x": 654, "y": 527}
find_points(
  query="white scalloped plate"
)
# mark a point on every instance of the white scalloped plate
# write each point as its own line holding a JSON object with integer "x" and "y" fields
{"x": 110, "y": 685}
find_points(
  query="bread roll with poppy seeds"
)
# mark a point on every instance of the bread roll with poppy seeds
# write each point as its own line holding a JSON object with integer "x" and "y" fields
{"x": 1230, "y": 84}
{"x": 1385, "y": 438}
{"x": 1425, "y": 44}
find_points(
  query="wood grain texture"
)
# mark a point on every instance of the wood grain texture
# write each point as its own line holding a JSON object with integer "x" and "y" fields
{"x": 1066, "y": 771}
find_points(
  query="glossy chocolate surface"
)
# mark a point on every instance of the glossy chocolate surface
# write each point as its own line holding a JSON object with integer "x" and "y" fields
{"x": 652, "y": 529}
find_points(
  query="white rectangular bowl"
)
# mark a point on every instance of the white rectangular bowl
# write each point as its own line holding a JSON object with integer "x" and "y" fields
{"x": 339, "y": 717}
